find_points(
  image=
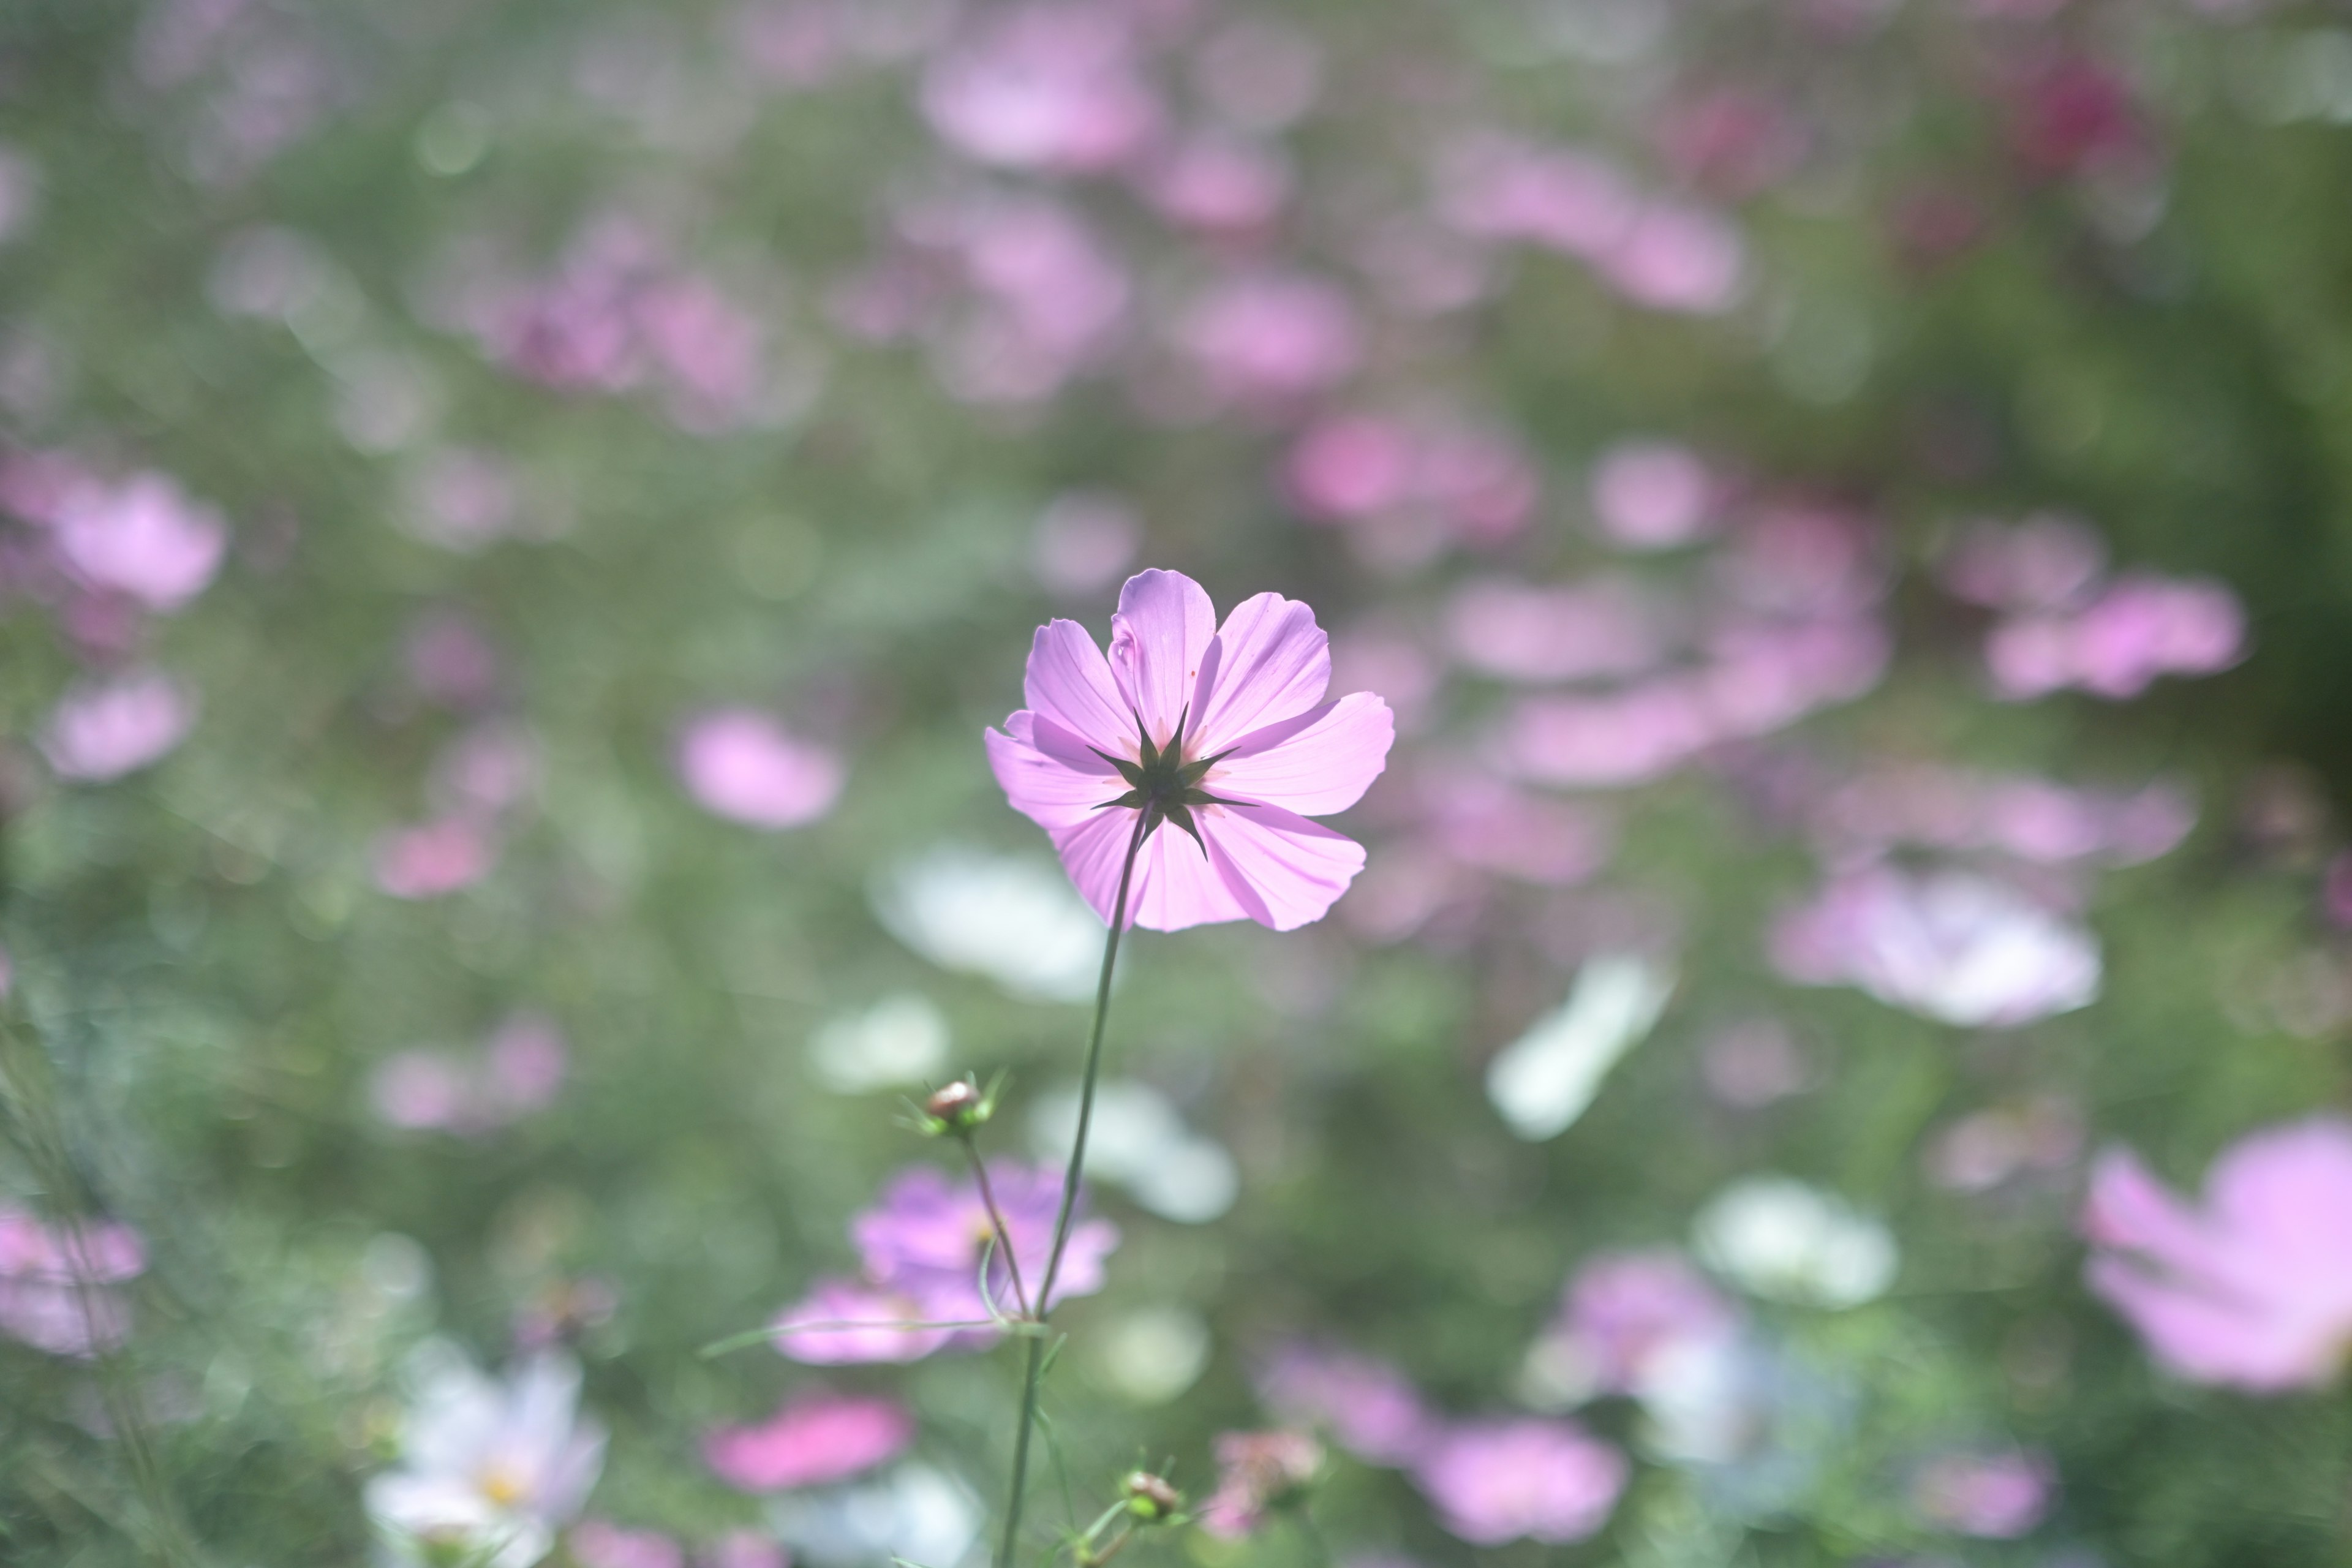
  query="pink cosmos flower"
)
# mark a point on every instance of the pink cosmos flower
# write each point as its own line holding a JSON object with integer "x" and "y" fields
{"x": 2044, "y": 563}
{"x": 54, "y": 1279}
{"x": 518, "y": 1070}
{"x": 1949, "y": 946}
{"x": 1269, "y": 339}
{"x": 921, "y": 1248}
{"x": 739, "y": 763}
{"x": 1219, "y": 185}
{"x": 1999, "y": 1497}
{"x": 1493, "y": 1481}
{"x": 103, "y": 731}
{"x": 2116, "y": 645}
{"x": 1602, "y": 625}
{"x": 601, "y": 1544}
{"x": 1653, "y": 495}
{"x": 1369, "y": 1406}
{"x": 435, "y": 859}
{"x": 2253, "y": 1288}
{"x": 1624, "y": 1311}
{"x": 1050, "y": 87}
{"x": 1222, "y": 731}
{"x": 812, "y": 1441}
{"x": 1678, "y": 257}
{"x": 144, "y": 537}
{"x": 1257, "y": 1471}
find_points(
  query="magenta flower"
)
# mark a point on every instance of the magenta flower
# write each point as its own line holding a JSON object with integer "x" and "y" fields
{"x": 1369, "y": 1406}
{"x": 739, "y": 764}
{"x": 55, "y": 1283}
{"x": 601, "y": 1544}
{"x": 812, "y": 1441}
{"x": 1625, "y": 1310}
{"x": 1257, "y": 1471}
{"x": 102, "y": 731}
{"x": 1493, "y": 1481}
{"x": 1999, "y": 1496}
{"x": 144, "y": 538}
{"x": 921, "y": 1248}
{"x": 2253, "y": 1289}
{"x": 435, "y": 858}
{"x": 1222, "y": 731}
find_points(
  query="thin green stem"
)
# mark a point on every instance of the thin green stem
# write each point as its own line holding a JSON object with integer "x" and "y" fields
{"x": 1033, "y": 1374}
{"x": 995, "y": 1217}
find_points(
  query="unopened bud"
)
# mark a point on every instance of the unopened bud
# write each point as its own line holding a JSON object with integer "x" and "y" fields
{"x": 1150, "y": 1499}
{"x": 958, "y": 1106}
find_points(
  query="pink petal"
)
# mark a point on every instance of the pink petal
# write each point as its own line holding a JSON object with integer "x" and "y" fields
{"x": 2128, "y": 1208}
{"x": 1045, "y": 788}
{"x": 884, "y": 1327}
{"x": 1178, "y": 885}
{"x": 1092, "y": 853}
{"x": 1317, "y": 762}
{"x": 1273, "y": 661}
{"x": 2206, "y": 1338}
{"x": 1284, "y": 870}
{"x": 1158, "y": 640}
{"x": 1069, "y": 683}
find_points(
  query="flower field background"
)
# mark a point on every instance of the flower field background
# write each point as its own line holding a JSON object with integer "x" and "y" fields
{"x": 514, "y": 522}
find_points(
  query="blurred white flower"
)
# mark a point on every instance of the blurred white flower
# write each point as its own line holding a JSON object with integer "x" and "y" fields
{"x": 1013, "y": 919}
{"x": 914, "y": 1514}
{"x": 1151, "y": 1355}
{"x": 1956, "y": 947}
{"x": 901, "y": 1039}
{"x": 1140, "y": 1141}
{"x": 487, "y": 1468}
{"x": 1543, "y": 1082}
{"x": 1776, "y": 1238}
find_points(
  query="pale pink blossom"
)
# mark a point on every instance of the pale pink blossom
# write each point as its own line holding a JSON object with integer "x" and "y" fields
{"x": 57, "y": 1282}
{"x": 2046, "y": 561}
{"x": 517, "y": 1070}
{"x": 1257, "y": 1471}
{"x": 1600, "y": 626}
{"x": 1258, "y": 73}
{"x": 601, "y": 1544}
{"x": 1954, "y": 946}
{"x": 1624, "y": 1313}
{"x": 1244, "y": 703}
{"x": 1562, "y": 198}
{"x": 1270, "y": 339}
{"x": 2252, "y": 1288}
{"x": 1653, "y": 495}
{"x": 742, "y": 1548}
{"x": 813, "y": 1440}
{"x": 103, "y": 730}
{"x": 843, "y": 1321}
{"x": 1673, "y": 256}
{"x": 1369, "y": 1406}
{"x": 144, "y": 538}
{"x": 1610, "y": 740}
{"x": 1502, "y": 1480}
{"x": 434, "y": 858}
{"x": 1054, "y": 87}
{"x": 1218, "y": 184}
{"x": 1477, "y": 484}
{"x": 2116, "y": 645}
{"x": 1996, "y": 1496}
{"x": 739, "y": 764}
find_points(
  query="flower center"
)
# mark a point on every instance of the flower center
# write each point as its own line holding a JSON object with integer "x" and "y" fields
{"x": 502, "y": 1484}
{"x": 1163, "y": 783}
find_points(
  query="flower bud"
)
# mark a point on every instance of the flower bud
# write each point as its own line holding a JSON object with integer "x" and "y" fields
{"x": 1150, "y": 1499}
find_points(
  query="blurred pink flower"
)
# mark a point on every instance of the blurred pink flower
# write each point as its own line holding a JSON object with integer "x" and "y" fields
{"x": 434, "y": 858}
{"x": 2046, "y": 561}
{"x": 2032, "y": 820}
{"x": 1048, "y": 87}
{"x": 601, "y": 1544}
{"x": 1980, "y": 1152}
{"x": 1244, "y": 700}
{"x": 2116, "y": 647}
{"x": 1954, "y": 946}
{"x": 1496, "y": 1482}
{"x": 742, "y": 1548}
{"x": 739, "y": 764}
{"x": 1267, "y": 340}
{"x": 1369, "y": 1406}
{"x": 143, "y": 537}
{"x": 54, "y": 1280}
{"x": 1483, "y": 823}
{"x": 1628, "y": 737}
{"x": 1731, "y": 140}
{"x": 1218, "y": 184}
{"x": 1675, "y": 256}
{"x": 2252, "y": 1289}
{"x": 1048, "y": 299}
{"x": 450, "y": 660}
{"x": 921, "y": 1248}
{"x": 1256, "y": 1471}
{"x": 518, "y": 1070}
{"x": 1084, "y": 540}
{"x": 1477, "y": 484}
{"x": 1258, "y": 73}
{"x": 1998, "y": 1496}
{"x": 102, "y": 730}
{"x": 485, "y": 769}
{"x": 1562, "y": 199}
{"x": 1349, "y": 467}
{"x": 461, "y": 499}
{"x": 2074, "y": 113}
{"x": 1653, "y": 495}
{"x": 1602, "y": 625}
{"x": 810, "y": 1441}
{"x": 1624, "y": 1311}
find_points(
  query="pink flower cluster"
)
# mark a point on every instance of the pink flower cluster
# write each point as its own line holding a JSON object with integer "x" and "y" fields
{"x": 58, "y": 1283}
{"x": 485, "y": 774}
{"x": 1490, "y": 1480}
{"x": 2252, "y": 1288}
{"x": 2066, "y": 624}
{"x": 921, "y": 1251}
{"x": 739, "y": 763}
{"x": 2035, "y": 820}
{"x": 517, "y": 1070}
{"x": 1410, "y": 485}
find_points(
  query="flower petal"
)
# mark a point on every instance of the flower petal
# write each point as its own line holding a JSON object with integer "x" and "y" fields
{"x": 1178, "y": 886}
{"x": 1092, "y": 852}
{"x": 1283, "y": 869}
{"x": 1272, "y": 662}
{"x": 1157, "y": 640}
{"x": 1069, "y": 683}
{"x": 1043, "y": 785}
{"x": 1316, "y": 762}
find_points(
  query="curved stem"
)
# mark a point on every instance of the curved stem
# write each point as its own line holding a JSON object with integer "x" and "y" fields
{"x": 1034, "y": 1371}
{"x": 995, "y": 1218}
